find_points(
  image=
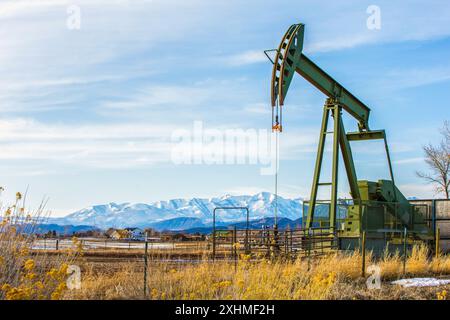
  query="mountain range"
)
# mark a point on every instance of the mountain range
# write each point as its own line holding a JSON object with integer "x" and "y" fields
{"x": 182, "y": 214}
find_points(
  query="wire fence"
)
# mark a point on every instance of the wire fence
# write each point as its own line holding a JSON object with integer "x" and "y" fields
{"x": 92, "y": 244}
{"x": 269, "y": 242}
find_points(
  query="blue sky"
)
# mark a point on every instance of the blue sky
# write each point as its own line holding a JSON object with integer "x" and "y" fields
{"x": 87, "y": 115}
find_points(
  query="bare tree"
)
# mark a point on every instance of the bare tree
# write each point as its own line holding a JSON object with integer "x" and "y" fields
{"x": 438, "y": 160}
{"x": 446, "y": 133}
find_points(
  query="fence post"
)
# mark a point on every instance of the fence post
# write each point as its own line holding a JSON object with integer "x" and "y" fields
{"x": 404, "y": 250}
{"x": 232, "y": 243}
{"x": 246, "y": 242}
{"x": 235, "y": 248}
{"x": 145, "y": 265}
{"x": 310, "y": 232}
{"x": 286, "y": 242}
{"x": 214, "y": 244}
{"x": 438, "y": 238}
{"x": 363, "y": 247}
{"x": 304, "y": 241}
{"x": 321, "y": 241}
{"x": 290, "y": 241}
{"x": 57, "y": 244}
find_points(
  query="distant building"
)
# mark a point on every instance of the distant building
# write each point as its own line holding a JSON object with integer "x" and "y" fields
{"x": 172, "y": 236}
{"x": 109, "y": 232}
{"x": 151, "y": 232}
{"x": 126, "y": 234}
{"x": 118, "y": 234}
{"x": 135, "y": 233}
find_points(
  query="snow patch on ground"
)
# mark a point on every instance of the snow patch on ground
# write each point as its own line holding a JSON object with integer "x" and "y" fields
{"x": 421, "y": 282}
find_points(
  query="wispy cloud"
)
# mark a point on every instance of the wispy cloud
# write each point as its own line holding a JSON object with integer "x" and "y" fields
{"x": 103, "y": 146}
{"x": 161, "y": 97}
{"x": 410, "y": 160}
{"x": 421, "y": 191}
{"x": 340, "y": 43}
{"x": 258, "y": 108}
{"x": 246, "y": 58}
{"x": 412, "y": 78}
{"x": 21, "y": 7}
{"x": 122, "y": 145}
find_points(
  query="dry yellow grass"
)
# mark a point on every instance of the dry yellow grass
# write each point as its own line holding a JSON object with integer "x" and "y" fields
{"x": 335, "y": 276}
{"x": 24, "y": 275}
{"x": 42, "y": 275}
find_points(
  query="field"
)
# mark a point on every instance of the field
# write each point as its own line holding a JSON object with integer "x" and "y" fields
{"x": 333, "y": 276}
{"x": 186, "y": 271}
{"x": 46, "y": 269}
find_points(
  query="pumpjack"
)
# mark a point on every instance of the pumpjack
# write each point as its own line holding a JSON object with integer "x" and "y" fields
{"x": 376, "y": 208}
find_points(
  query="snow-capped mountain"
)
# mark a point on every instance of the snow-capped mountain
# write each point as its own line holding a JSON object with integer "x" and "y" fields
{"x": 142, "y": 215}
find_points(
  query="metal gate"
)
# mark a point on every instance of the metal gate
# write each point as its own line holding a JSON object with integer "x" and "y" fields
{"x": 439, "y": 213}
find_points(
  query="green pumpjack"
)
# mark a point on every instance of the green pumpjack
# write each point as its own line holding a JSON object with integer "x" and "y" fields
{"x": 377, "y": 208}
